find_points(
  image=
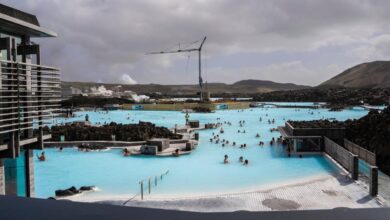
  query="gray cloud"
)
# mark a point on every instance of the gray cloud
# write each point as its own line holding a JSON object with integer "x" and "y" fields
{"x": 101, "y": 40}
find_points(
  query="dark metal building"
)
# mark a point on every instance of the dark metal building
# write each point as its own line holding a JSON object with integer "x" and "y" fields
{"x": 29, "y": 95}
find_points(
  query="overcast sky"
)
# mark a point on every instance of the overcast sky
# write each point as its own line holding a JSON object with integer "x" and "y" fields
{"x": 299, "y": 41}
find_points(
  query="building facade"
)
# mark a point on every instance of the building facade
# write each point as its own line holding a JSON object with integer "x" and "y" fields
{"x": 29, "y": 97}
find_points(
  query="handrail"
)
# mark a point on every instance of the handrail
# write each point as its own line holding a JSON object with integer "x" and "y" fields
{"x": 141, "y": 182}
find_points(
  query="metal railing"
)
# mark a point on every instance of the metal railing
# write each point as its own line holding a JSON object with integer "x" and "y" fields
{"x": 151, "y": 181}
{"x": 29, "y": 95}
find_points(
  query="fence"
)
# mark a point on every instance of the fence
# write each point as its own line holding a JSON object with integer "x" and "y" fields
{"x": 340, "y": 154}
{"x": 350, "y": 161}
{"x": 151, "y": 182}
{"x": 363, "y": 154}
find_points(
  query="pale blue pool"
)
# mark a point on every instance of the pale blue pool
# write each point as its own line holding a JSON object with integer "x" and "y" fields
{"x": 200, "y": 172}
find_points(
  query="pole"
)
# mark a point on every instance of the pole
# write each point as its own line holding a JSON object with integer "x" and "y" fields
{"x": 200, "y": 74}
{"x": 149, "y": 185}
{"x": 142, "y": 190}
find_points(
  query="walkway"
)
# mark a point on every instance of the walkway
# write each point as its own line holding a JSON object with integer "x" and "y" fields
{"x": 322, "y": 193}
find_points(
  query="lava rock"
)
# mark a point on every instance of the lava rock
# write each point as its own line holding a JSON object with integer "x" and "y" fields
{"x": 67, "y": 192}
{"x": 336, "y": 98}
{"x": 123, "y": 132}
{"x": 91, "y": 147}
{"x": 86, "y": 188}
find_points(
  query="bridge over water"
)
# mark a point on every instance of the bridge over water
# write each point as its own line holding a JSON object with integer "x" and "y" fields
{"x": 285, "y": 105}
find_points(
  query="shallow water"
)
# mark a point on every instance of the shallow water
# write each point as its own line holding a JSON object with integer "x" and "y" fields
{"x": 200, "y": 172}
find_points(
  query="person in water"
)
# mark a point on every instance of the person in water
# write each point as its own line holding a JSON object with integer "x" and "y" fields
{"x": 246, "y": 162}
{"x": 176, "y": 153}
{"x": 61, "y": 148}
{"x": 241, "y": 159}
{"x": 126, "y": 152}
{"x": 226, "y": 159}
{"x": 42, "y": 157}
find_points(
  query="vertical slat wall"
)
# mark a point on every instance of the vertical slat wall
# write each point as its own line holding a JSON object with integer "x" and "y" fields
{"x": 363, "y": 153}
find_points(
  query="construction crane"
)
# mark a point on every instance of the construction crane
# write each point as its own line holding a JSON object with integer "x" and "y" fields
{"x": 185, "y": 50}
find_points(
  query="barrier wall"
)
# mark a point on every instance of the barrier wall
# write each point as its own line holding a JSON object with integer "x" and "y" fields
{"x": 349, "y": 161}
{"x": 363, "y": 154}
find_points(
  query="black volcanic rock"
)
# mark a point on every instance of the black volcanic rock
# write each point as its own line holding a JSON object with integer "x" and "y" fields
{"x": 317, "y": 124}
{"x": 67, "y": 192}
{"x": 202, "y": 109}
{"x": 372, "y": 132}
{"x": 123, "y": 132}
{"x": 100, "y": 102}
{"x": 86, "y": 188}
{"x": 337, "y": 98}
{"x": 91, "y": 147}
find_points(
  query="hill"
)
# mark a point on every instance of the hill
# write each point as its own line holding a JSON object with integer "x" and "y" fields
{"x": 269, "y": 84}
{"x": 366, "y": 75}
{"x": 245, "y": 87}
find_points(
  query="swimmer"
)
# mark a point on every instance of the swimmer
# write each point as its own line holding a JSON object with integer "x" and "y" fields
{"x": 241, "y": 159}
{"x": 126, "y": 152}
{"x": 42, "y": 157}
{"x": 226, "y": 159}
{"x": 246, "y": 162}
{"x": 176, "y": 153}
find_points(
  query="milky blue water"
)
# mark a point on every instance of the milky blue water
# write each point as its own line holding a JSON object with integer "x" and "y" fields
{"x": 200, "y": 172}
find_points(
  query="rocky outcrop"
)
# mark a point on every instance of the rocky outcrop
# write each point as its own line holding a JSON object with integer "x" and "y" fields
{"x": 73, "y": 191}
{"x": 373, "y": 133}
{"x": 123, "y": 132}
{"x": 91, "y": 147}
{"x": 337, "y": 98}
{"x": 86, "y": 188}
{"x": 202, "y": 109}
{"x": 99, "y": 102}
{"x": 67, "y": 192}
{"x": 317, "y": 124}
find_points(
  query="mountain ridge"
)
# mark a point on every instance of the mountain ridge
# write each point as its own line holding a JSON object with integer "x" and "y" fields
{"x": 374, "y": 74}
{"x": 243, "y": 86}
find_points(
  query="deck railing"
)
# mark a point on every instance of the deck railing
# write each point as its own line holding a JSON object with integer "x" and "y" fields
{"x": 150, "y": 182}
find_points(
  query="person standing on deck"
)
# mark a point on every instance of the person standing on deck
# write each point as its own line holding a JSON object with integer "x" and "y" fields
{"x": 187, "y": 117}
